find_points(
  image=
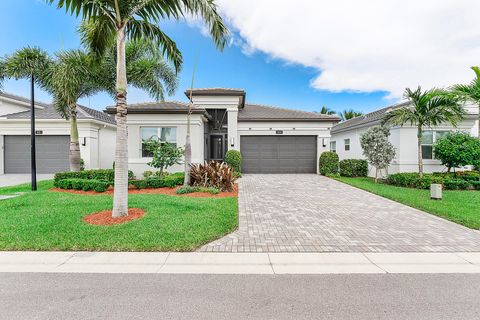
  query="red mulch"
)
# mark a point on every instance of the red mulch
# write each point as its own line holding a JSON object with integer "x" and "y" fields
{"x": 104, "y": 218}
{"x": 167, "y": 191}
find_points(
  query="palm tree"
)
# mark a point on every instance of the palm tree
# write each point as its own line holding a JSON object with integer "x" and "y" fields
{"x": 470, "y": 92}
{"x": 326, "y": 110}
{"x": 350, "y": 114}
{"x": 28, "y": 63}
{"x": 108, "y": 22}
{"x": 72, "y": 76}
{"x": 426, "y": 109}
{"x": 188, "y": 146}
{"x": 2, "y": 73}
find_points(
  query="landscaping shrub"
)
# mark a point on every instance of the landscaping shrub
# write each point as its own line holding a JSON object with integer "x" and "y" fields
{"x": 147, "y": 174}
{"x": 413, "y": 180}
{"x": 190, "y": 189}
{"x": 457, "y": 149}
{"x": 170, "y": 181}
{"x": 213, "y": 174}
{"x": 98, "y": 174}
{"x": 353, "y": 168}
{"x": 328, "y": 163}
{"x": 456, "y": 184}
{"x": 475, "y": 185}
{"x": 83, "y": 184}
{"x": 234, "y": 159}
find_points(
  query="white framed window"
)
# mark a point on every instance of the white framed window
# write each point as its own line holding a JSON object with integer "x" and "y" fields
{"x": 347, "y": 144}
{"x": 429, "y": 138}
{"x": 165, "y": 134}
{"x": 333, "y": 146}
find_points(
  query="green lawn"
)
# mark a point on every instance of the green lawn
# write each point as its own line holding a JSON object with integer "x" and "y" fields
{"x": 46, "y": 220}
{"x": 462, "y": 207}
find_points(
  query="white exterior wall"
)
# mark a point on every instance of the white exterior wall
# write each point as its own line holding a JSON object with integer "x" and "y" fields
{"x": 404, "y": 139}
{"x": 86, "y": 129}
{"x": 179, "y": 121}
{"x": 8, "y": 106}
{"x": 290, "y": 128}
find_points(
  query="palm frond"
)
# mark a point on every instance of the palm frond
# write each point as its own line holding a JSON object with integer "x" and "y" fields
{"x": 26, "y": 62}
{"x": 97, "y": 35}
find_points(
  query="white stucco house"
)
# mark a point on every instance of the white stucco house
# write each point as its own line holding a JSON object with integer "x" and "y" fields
{"x": 345, "y": 140}
{"x": 96, "y": 132}
{"x": 271, "y": 139}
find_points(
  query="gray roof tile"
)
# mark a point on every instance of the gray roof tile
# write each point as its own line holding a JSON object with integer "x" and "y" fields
{"x": 257, "y": 112}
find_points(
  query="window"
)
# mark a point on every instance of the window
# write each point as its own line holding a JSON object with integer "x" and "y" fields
{"x": 163, "y": 134}
{"x": 347, "y": 144}
{"x": 428, "y": 140}
{"x": 333, "y": 146}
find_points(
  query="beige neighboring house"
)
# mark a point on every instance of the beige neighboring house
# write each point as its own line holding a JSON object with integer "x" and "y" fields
{"x": 346, "y": 140}
{"x": 96, "y": 132}
{"x": 270, "y": 139}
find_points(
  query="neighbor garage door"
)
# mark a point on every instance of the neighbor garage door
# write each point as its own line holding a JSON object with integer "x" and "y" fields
{"x": 52, "y": 154}
{"x": 279, "y": 154}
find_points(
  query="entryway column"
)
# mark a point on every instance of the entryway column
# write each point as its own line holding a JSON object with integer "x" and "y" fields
{"x": 232, "y": 143}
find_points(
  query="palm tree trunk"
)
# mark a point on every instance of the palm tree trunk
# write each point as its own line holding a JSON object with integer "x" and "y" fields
{"x": 188, "y": 150}
{"x": 120, "y": 194}
{"x": 74, "y": 144}
{"x": 420, "y": 156}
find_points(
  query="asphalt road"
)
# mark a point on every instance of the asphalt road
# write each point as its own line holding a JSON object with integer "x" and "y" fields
{"x": 151, "y": 296}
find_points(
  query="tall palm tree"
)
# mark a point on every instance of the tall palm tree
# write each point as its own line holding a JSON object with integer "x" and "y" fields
{"x": 2, "y": 73}
{"x": 113, "y": 22}
{"x": 470, "y": 92}
{"x": 426, "y": 109}
{"x": 188, "y": 145}
{"x": 28, "y": 63}
{"x": 72, "y": 76}
{"x": 326, "y": 110}
{"x": 350, "y": 114}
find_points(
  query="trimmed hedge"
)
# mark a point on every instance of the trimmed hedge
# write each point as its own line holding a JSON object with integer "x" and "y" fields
{"x": 328, "y": 163}
{"x": 83, "y": 184}
{"x": 450, "y": 181}
{"x": 190, "y": 189}
{"x": 170, "y": 181}
{"x": 353, "y": 168}
{"x": 234, "y": 159}
{"x": 99, "y": 174}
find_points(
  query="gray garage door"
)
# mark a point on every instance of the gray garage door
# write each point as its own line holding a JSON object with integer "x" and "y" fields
{"x": 52, "y": 154}
{"x": 279, "y": 154}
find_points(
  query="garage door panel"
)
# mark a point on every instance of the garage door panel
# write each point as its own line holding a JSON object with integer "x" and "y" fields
{"x": 52, "y": 154}
{"x": 279, "y": 154}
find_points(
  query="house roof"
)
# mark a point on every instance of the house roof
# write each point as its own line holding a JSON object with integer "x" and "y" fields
{"x": 159, "y": 107}
{"x": 49, "y": 112}
{"x": 258, "y": 112}
{"x": 22, "y": 99}
{"x": 374, "y": 116}
{"x": 215, "y": 92}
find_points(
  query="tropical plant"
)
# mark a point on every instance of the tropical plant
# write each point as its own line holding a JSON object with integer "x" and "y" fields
{"x": 164, "y": 154}
{"x": 470, "y": 92}
{"x": 457, "y": 149}
{"x": 2, "y": 73}
{"x": 426, "y": 109}
{"x": 108, "y": 22}
{"x": 28, "y": 63}
{"x": 349, "y": 114}
{"x": 213, "y": 174}
{"x": 188, "y": 144}
{"x": 377, "y": 149}
{"x": 326, "y": 110}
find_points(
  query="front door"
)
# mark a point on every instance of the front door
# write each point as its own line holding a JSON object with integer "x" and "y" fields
{"x": 217, "y": 147}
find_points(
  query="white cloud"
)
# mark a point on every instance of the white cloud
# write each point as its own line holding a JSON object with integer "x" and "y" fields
{"x": 364, "y": 45}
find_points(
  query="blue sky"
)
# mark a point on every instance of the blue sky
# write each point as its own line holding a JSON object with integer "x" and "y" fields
{"x": 267, "y": 80}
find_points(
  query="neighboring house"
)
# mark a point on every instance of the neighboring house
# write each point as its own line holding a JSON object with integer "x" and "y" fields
{"x": 270, "y": 139}
{"x": 96, "y": 132}
{"x": 345, "y": 140}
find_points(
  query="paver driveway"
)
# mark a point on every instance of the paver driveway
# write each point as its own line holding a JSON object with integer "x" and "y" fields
{"x": 311, "y": 213}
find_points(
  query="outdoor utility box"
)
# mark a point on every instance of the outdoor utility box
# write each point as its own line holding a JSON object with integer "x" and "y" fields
{"x": 436, "y": 191}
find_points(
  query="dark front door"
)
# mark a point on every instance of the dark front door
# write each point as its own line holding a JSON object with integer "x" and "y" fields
{"x": 217, "y": 146}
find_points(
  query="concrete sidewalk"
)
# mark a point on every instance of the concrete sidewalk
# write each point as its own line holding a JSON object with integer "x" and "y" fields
{"x": 239, "y": 263}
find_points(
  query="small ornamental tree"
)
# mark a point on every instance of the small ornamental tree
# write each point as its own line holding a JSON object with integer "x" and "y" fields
{"x": 377, "y": 149}
{"x": 164, "y": 154}
{"x": 457, "y": 149}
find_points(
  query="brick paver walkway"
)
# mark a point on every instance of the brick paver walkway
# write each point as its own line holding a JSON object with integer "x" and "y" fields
{"x": 311, "y": 213}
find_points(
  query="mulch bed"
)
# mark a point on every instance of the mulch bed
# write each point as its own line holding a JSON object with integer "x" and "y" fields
{"x": 104, "y": 218}
{"x": 166, "y": 191}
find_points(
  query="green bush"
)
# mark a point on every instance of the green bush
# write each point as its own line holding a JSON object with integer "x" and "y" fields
{"x": 353, "y": 168}
{"x": 83, "y": 184}
{"x": 456, "y": 184}
{"x": 139, "y": 184}
{"x": 475, "y": 185}
{"x": 328, "y": 163}
{"x": 234, "y": 159}
{"x": 147, "y": 174}
{"x": 169, "y": 181}
{"x": 98, "y": 174}
{"x": 190, "y": 189}
{"x": 413, "y": 180}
